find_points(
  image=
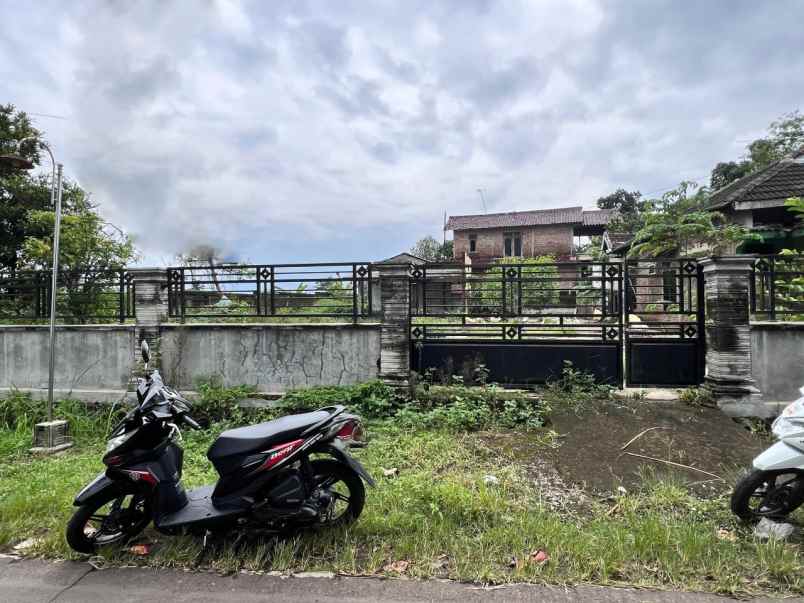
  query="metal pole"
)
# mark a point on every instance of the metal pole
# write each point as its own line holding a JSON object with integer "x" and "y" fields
{"x": 53, "y": 289}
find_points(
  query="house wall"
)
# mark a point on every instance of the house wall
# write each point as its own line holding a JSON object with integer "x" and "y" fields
{"x": 555, "y": 240}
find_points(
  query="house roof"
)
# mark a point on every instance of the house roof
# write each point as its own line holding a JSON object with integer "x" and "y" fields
{"x": 597, "y": 217}
{"x": 403, "y": 258}
{"x": 777, "y": 182}
{"x": 536, "y": 217}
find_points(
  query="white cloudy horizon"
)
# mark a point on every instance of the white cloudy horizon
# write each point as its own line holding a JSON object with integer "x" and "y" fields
{"x": 313, "y": 131}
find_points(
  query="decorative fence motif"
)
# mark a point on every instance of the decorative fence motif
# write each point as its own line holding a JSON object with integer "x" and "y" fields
{"x": 777, "y": 287}
{"x": 517, "y": 301}
{"x": 82, "y": 296}
{"x": 308, "y": 291}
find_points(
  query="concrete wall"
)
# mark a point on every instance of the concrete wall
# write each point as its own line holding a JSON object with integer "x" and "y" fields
{"x": 777, "y": 353}
{"x": 271, "y": 357}
{"x": 89, "y": 358}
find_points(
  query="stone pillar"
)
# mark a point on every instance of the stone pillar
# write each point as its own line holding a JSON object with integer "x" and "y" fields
{"x": 150, "y": 307}
{"x": 395, "y": 329}
{"x": 728, "y": 333}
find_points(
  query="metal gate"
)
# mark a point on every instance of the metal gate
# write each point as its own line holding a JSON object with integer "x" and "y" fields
{"x": 519, "y": 323}
{"x": 664, "y": 323}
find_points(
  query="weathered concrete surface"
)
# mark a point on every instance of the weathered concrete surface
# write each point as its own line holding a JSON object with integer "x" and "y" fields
{"x": 34, "y": 581}
{"x": 271, "y": 357}
{"x": 88, "y": 357}
{"x": 777, "y": 352}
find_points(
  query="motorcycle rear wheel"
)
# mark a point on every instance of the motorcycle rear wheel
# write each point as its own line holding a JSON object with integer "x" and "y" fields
{"x": 114, "y": 519}
{"x": 772, "y": 494}
{"x": 346, "y": 488}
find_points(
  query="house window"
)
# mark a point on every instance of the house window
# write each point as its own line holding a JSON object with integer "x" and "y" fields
{"x": 512, "y": 244}
{"x": 472, "y": 243}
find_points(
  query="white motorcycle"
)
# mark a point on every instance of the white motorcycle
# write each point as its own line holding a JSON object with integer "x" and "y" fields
{"x": 775, "y": 488}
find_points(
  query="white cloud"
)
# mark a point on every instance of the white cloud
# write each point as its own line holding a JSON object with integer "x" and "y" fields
{"x": 340, "y": 130}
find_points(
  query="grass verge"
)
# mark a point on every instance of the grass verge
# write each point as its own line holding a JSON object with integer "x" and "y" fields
{"x": 437, "y": 518}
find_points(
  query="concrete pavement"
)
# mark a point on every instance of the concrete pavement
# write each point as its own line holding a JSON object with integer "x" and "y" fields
{"x": 37, "y": 581}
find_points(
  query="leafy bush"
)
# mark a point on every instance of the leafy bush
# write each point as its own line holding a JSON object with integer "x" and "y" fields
{"x": 460, "y": 407}
{"x": 218, "y": 403}
{"x": 575, "y": 387}
{"x": 372, "y": 399}
{"x": 697, "y": 396}
{"x": 450, "y": 406}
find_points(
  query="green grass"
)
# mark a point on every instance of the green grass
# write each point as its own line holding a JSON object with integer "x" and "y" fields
{"x": 439, "y": 515}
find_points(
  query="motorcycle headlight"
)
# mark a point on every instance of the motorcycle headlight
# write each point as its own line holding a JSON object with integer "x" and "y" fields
{"x": 119, "y": 440}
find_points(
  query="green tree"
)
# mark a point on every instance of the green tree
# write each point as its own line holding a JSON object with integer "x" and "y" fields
{"x": 785, "y": 136}
{"x": 679, "y": 223}
{"x": 18, "y": 192}
{"x": 431, "y": 250}
{"x": 27, "y": 219}
{"x": 727, "y": 172}
{"x": 534, "y": 281}
{"x": 629, "y": 207}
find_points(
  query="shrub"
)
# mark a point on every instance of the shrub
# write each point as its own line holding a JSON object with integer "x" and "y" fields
{"x": 372, "y": 399}
{"x": 218, "y": 403}
{"x": 575, "y": 387}
{"x": 697, "y": 396}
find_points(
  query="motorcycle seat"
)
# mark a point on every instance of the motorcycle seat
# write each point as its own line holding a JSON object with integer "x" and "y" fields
{"x": 263, "y": 436}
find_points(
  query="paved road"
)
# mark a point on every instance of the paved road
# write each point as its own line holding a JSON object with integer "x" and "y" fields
{"x": 35, "y": 581}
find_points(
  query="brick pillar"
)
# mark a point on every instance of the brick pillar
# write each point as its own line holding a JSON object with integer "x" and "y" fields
{"x": 395, "y": 330}
{"x": 150, "y": 307}
{"x": 728, "y": 333}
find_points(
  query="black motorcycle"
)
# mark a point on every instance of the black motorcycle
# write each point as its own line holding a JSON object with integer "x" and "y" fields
{"x": 268, "y": 482}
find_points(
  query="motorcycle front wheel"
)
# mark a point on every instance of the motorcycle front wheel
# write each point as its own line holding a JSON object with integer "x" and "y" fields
{"x": 116, "y": 518}
{"x": 772, "y": 494}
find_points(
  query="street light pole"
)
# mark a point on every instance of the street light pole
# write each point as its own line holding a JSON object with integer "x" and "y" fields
{"x": 17, "y": 161}
{"x": 56, "y": 191}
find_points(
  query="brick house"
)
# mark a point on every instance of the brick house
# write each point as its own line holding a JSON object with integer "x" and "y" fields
{"x": 524, "y": 233}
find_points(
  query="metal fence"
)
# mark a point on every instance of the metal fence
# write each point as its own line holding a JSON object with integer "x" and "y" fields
{"x": 777, "y": 287}
{"x": 82, "y": 296}
{"x": 292, "y": 291}
{"x": 517, "y": 301}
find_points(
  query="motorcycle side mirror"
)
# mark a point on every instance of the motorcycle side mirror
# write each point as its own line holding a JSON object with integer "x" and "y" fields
{"x": 145, "y": 351}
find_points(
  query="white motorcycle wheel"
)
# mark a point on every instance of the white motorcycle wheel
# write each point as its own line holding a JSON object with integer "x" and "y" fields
{"x": 772, "y": 494}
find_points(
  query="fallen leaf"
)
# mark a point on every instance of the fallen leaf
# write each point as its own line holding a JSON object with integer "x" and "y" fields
{"x": 539, "y": 557}
{"x": 397, "y": 567}
{"x": 140, "y": 549}
{"x": 728, "y": 535}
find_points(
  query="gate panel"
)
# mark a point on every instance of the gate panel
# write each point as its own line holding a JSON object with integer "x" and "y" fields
{"x": 664, "y": 328}
{"x": 520, "y": 319}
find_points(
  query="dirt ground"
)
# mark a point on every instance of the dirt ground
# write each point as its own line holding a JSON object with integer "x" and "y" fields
{"x": 592, "y": 438}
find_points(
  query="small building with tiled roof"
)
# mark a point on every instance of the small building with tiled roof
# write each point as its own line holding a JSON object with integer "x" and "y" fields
{"x": 531, "y": 233}
{"x": 757, "y": 201}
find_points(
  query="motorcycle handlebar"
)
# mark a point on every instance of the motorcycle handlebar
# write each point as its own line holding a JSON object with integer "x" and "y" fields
{"x": 190, "y": 421}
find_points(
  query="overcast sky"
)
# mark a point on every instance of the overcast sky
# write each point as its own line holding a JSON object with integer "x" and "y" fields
{"x": 304, "y": 131}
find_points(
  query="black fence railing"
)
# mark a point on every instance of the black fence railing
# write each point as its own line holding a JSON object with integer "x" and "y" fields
{"x": 517, "y": 301}
{"x": 341, "y": 291}
{"x": 777, "y": 287}
{"x": 82, "y": 296}
{"x": 664, "y": 298}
